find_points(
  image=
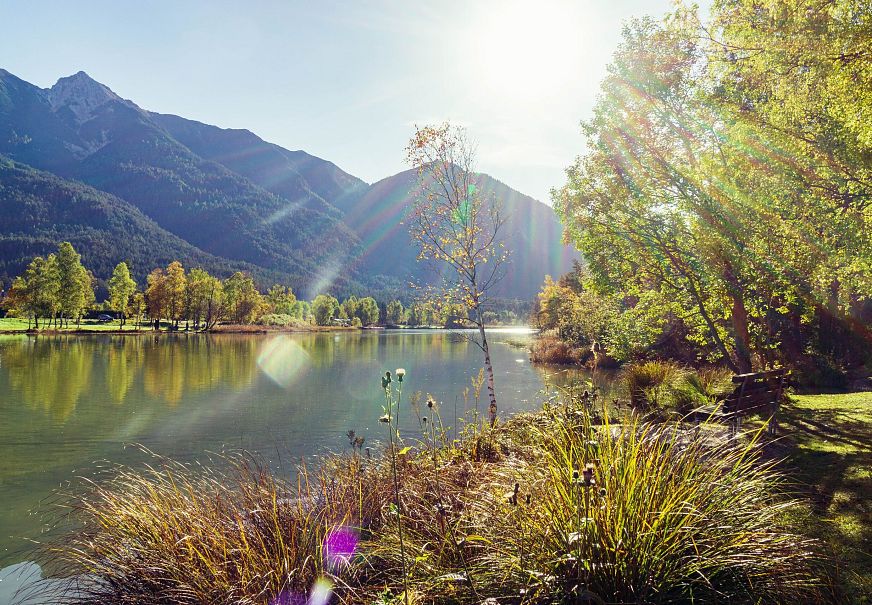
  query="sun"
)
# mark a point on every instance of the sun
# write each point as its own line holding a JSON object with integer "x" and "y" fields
{"x": 527, "y": 51}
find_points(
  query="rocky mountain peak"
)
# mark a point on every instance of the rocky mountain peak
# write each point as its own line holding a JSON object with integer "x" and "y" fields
{"x": 81, "y": 94}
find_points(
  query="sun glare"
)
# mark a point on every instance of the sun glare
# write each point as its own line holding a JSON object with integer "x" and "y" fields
{"x": 530, "y": 51}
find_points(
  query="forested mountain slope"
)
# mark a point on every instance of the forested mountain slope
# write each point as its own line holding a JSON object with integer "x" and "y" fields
{"x": 39, "y": 209}
{"x": 227, "y": 197}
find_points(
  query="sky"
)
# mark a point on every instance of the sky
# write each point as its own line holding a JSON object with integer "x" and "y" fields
{"x": 346, "y": 81}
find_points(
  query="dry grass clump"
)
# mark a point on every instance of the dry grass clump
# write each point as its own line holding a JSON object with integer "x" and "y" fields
{"x": 648, "y": 383}
{"x": 548, "y": 349}
{"x": 183, "y": 534}
{"x": 654, "y": 386}
{"x": 541, "y": 508}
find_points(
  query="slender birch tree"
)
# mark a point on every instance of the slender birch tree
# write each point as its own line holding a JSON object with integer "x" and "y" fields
{"x": 457, "y": 228}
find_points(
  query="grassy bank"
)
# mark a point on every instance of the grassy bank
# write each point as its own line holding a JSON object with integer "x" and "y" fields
{"x": 10, "y": 325}
{"x": 541, "y": 508}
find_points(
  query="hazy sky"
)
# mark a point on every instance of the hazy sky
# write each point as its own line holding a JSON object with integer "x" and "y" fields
{"x": 345, "y": 81}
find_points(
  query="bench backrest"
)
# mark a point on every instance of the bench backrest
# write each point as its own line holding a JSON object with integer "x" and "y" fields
{"x": 756, "y": 392}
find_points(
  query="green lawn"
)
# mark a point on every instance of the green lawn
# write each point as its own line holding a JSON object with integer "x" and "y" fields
{"x": 827, "y": 446}
{"x": 20, "y": 325}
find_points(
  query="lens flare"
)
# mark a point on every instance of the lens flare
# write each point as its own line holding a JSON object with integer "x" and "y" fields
{"x": 321, "y": 592}
{"x": 339, "y": 546}
{"x": 282, "y": 359}
{"x": 319, "y": 595}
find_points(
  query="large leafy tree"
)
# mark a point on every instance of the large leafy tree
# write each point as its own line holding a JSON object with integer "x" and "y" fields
{"x": 349, "y": 307}
{"x": 36, "y": 293}
{"x": 156, "y": 294}
{"x": 395, "y": 313}
{"x": 799, "y": 112}
{"x": 242, "y": 301}
{"x": 691, "y": 192}
{"x": 204, "y": 296}
{"x": 175, "y": 287}
{"x": 324, "y": 307}
{"x": 74, "y": 285}
{"x": 367, "y": 311}
{"x": 281, "y": 299}
{"x": 136, "y": 308}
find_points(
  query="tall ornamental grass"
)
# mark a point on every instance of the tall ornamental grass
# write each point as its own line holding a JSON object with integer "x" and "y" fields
{"x": 645, "y": 513}
{"x": 541, "y": 508}
{"x": 186, "y": 534}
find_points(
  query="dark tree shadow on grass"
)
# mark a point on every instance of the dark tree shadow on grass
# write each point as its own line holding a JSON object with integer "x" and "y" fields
{"x": 827, "y": 454}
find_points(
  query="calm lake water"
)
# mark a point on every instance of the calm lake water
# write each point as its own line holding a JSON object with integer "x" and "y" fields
{"x": 69, "y": 402}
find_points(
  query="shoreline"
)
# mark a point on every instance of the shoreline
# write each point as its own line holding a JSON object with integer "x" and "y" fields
{"x": 152, "y": 332}
{"x": 226, "y": 329}
{"x": 475, "y": 475}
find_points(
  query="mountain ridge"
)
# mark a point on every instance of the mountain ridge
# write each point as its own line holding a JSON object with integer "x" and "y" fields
{"x": 232, "y": 195}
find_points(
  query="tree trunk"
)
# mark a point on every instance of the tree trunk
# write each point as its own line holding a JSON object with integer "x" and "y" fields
{"x": 697, "y": 297}
{"x": 739, "y": 319}
{"x": 489, "y": 368}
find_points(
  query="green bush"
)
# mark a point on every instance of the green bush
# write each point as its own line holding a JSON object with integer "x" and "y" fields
{"x": 282, "y": 320}
{"x": 648, "y": 385}
{"x": 695, "y": 389}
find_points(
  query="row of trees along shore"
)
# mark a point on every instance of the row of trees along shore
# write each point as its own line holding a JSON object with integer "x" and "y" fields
{"x": 58, "y": 289}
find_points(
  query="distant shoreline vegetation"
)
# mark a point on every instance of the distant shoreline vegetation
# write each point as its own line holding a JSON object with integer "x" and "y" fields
{"x": 56, "y": 293}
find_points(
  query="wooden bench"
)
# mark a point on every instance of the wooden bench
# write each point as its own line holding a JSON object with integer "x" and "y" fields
{"x": 757, "y": 393}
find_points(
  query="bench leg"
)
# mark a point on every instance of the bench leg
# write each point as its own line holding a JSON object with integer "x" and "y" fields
{"x": 773, "y": 422}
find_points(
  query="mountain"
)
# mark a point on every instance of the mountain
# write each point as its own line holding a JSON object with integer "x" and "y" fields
{"x": 293, "y": 175}
{"x": 79, "y": 129}
{"x": 38, "y": 210}
{"x": 222, "y": 198}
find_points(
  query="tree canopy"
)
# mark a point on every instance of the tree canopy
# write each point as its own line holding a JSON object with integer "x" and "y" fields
{"x": 726, "y": 180}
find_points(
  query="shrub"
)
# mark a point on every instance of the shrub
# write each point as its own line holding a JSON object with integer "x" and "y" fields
{"x": 648, "y": 384}
{"x": 694, "y": 389}
{"x": 547, "y": 349}
{"x": 282, "y": 320}
{"x": 275, "y": 319}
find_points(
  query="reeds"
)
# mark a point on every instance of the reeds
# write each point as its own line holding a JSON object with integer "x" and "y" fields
{"x": 648, "y": 383}
{"x": 559, "y": 511}
{"x": 188, "y": 534}
{"x": 698, "y": 388}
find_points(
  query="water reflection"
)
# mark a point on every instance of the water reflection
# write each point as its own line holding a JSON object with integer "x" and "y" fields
{"x": 66, "y": 402}
{"x": 49, "y": 375}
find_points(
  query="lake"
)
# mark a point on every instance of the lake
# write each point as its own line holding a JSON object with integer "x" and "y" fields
{"x": 69, "y": 404}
